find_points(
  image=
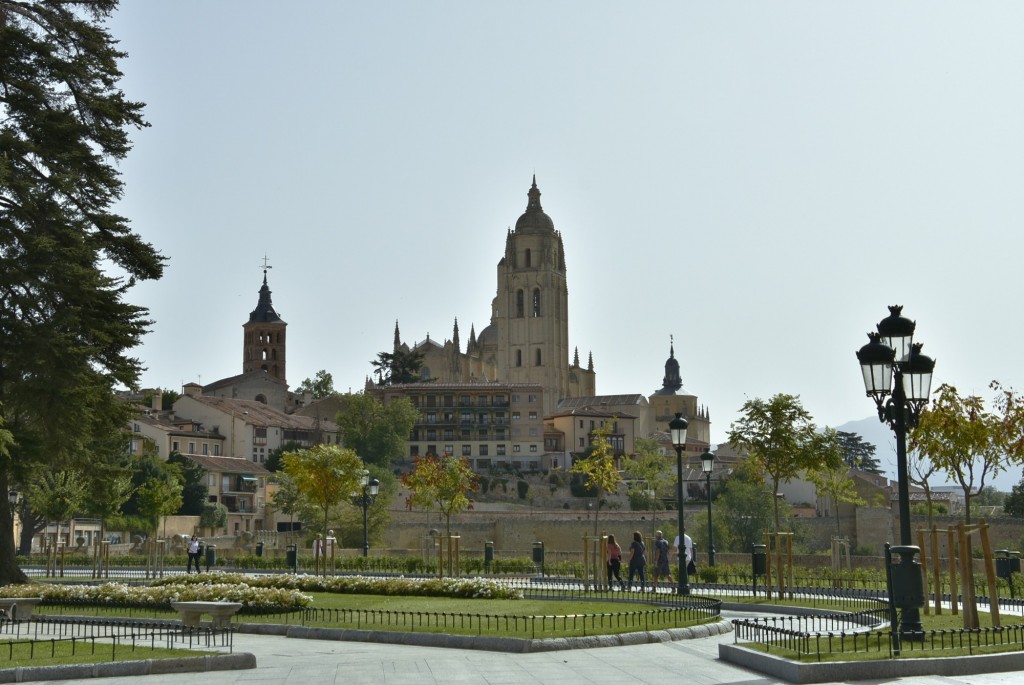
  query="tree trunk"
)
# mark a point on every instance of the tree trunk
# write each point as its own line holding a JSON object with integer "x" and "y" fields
{"x": 10, "y": 573}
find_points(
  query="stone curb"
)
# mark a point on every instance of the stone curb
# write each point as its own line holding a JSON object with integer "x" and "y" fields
{"x": 191, "y": 664}
{"x": 883, "y": 670}
{"x": 493, "y": 644}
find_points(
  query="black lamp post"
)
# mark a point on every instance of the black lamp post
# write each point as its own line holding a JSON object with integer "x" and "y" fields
{"x": 899, "y": 378}
{"x": 707, "y": 465}
{"x": 370, "y": 488}
{"x": 677, "y": 429}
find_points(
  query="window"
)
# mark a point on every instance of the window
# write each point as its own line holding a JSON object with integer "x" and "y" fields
{"x": 519, "y": 304}
{"x": 431, "y": 417}
{"x": 519, "y": 357}
{"x": 432, "y": 449}
{"x": 501, "y": 450}
{"x": 515, "y": 448}
{"x": 483, "y": 450}
{"x": 414, "y": 450}
{"x": 175, "y": 447}
{"x": 216, "y": 450}
{"x": 533, "y": 432}
{"x": 466, "y": 417}
{"x": 536, "y": 301}
{"x": 581, "y": 443}
{"x": 591, "y": 424}
{"x": 465, "y": 434}
{"x": 529, "y": 256}
{"x": 259, "y": 435}
{"x": 467, "y": 450}
{"x": 206, "y": 449}
{"x": 449, "y": 434}
{"x": 515, "y": 416}
{"x": 581, "y": 423}
{"x": 191, "y": 448}
{"x": 483, "y": 463}
{"x": 449, "y": 450}
{"x": 536, "y": 357}
{"x": 431, "y": 434}
{"x": 499, "y": 434}
{"x": 533, "y": 416}
{"x": 533, "y": 448}
{"x": 532, "y": 399}
{"x": 515, "y": 399}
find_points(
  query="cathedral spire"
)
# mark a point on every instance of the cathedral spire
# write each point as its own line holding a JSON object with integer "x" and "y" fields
{"x": 264, "y": 311}
{"x": 590, "y": 361}
{"x": 672, "y": 380}
{"x": 455, "y": 335}
{"x": 576, "y": 358}
{"x": 398, "y": 338}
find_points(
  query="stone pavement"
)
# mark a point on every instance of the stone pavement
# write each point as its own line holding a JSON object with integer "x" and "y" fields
{"x": 316, "y": 662}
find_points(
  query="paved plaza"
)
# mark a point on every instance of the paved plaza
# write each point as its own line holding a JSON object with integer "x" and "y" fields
{"x": 314, "y": 662}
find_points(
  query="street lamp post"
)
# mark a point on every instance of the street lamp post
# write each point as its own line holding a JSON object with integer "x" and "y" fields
{"x": 898, "y": 378}
{"x": 369, "y": 489}
{"x": 677, "y": 430}
{"x": 707, "y": 465}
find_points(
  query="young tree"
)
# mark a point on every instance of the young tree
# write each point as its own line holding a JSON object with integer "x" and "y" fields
{"x": 57, "y": 496}
{"x": 782, "y": 441}
{"x": 920, "y": 471}
{"x": 598, "y": 468}
{"x": 320, "y": 386}
{"x": 67, "y": 260}
{"x": 214, "y": 516}
{"x": 745, "y": 509}
{"x": 651, "y": 474}
{"x": 109, "y": 487}
{"x": 858, "y": 453}
{"x": 835, "y": 483}
{"x": 325, "y": 475}
{"x": 442, "y": 482}
{"x": 374, "y": 430}
{"x": 157, "y": 499}
{"x": 967, "y": 441}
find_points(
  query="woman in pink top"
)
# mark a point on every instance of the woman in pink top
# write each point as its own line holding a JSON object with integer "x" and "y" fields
{"x": 614, "y": 562}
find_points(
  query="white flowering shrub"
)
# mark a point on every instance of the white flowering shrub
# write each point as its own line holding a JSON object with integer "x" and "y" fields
{"x": 471, "y": 588}
{"x": 253, "y": 599}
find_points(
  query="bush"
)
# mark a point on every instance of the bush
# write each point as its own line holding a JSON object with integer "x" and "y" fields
{"x": 523, "y": 488}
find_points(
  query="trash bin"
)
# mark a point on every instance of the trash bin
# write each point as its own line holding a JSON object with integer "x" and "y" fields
{"x": 488, "y": 554}
{"x": 259, "y": 549}
{"x": 1014, "y": 561}
{"x": 907, "y": 582}
{"x": 211, "y": 556}
{"x": 538, "y": 555}
{"x": 292, "y": 557}
{"x": 759, "y": 560}
{"x": 1003, "y": 561}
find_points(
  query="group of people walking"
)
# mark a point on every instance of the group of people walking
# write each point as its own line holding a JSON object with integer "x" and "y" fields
{"x": 638, "y": 561}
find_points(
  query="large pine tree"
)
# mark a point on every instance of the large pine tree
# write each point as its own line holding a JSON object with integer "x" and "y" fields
{"x": 67, "y": 260}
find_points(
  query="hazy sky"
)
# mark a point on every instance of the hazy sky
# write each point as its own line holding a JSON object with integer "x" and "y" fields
{"x": 758, "y": 179}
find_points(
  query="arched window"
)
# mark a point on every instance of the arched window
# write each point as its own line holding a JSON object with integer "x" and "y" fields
{"x": 261, "y": 399}
{"x": 519, "y": 357}
{"x": 263, "y": 355}
{"x": 425, "y": 373}
{"x": 273, "y": 355}
{"x": 536, "y": 357}
{"x": 519, "y": 304}
{"x": 528, "y": 260}
{"x": 536, "y": 301}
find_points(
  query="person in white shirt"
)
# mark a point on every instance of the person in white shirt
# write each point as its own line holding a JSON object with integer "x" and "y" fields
{"x": 691, "y": 568}
{"x": 193, "y": 554}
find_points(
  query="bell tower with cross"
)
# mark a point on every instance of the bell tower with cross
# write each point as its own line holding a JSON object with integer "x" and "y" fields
{"x": 264, "y": 336}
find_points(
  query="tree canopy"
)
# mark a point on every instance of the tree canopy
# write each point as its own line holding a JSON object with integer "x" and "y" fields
{"x": 67, "y": 260}
{"x": 598, "y": 468}
{"x": 320, "y": 386}
{"x": 441, "y": 482}
{"x": 971, "y": 443}
{"x": 782, "y": 441}
{"x": 376, "y": 431}
{"x": 399, "y": 366}
{"x": 858, "y": 453}
{"x": 325, "y": 476}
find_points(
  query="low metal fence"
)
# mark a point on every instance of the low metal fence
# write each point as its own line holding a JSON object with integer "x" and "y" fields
{"x": 820, "y": 636}
{"x": 507, "y": 625}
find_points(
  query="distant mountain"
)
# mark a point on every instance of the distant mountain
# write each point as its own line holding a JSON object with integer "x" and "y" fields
{"x": 881, "y": 436}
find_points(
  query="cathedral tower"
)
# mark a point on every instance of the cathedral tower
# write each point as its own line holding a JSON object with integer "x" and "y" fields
{"x": 264, "y": 337}
{"x": 530, "y": 312}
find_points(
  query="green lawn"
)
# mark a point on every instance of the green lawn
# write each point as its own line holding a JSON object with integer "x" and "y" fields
{"x": 14, "y": 654}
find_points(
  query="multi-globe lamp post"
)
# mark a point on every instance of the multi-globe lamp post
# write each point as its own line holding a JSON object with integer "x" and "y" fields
{"x": 369, "y": 487}
{"x": 899, "y": 378}
{"x": 677, "y": 431}
{"x": 707, "y": 465}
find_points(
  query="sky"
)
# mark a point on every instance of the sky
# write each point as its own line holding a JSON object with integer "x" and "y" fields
{"x": 758, "y": 180}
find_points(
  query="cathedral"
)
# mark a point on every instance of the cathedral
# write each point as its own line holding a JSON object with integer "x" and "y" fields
{"x": 527, "y": 339}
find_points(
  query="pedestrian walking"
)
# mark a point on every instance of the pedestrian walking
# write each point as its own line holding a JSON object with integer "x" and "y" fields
{"x": 614, "y": 563}
{"x": 193, "y": 554}
{"x": 637, "y": 560}
{"x": 661, "y": 567}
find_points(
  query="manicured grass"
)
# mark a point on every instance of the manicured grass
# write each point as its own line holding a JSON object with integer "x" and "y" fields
{"x": 14, "y": 654}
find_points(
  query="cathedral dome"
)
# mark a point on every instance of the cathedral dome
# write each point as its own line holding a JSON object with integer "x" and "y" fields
{"x": 534, "y": 219}
{"x": 488, "y": 335}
